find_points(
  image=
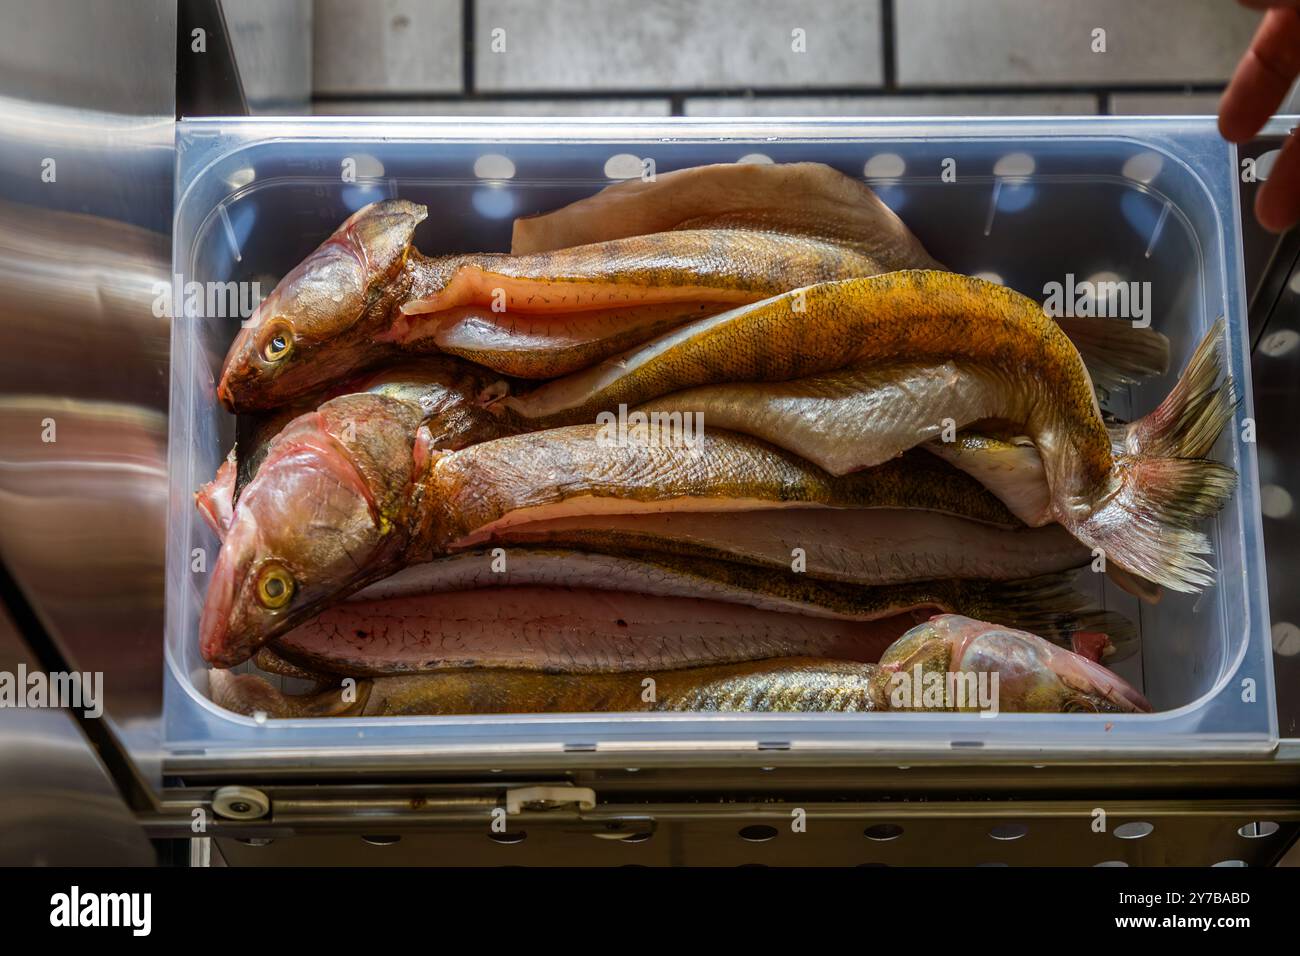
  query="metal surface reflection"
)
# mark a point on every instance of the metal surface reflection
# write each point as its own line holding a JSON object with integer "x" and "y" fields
{"x": 1273, "y": 275}
{"x": 59, "y": 806}
{"x": 87, "y": 103}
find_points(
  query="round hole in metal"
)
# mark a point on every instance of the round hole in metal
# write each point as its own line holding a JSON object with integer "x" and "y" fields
{"x": 1275, "y": 502}
{"x": 1135, "y": 830}
{"x": 883, "y": 831}
{"x": 758, "y": 833}
{"x": 1286, "y": 639}
{"x": 510, "y": 836}
{"x": 1008, "y": 831}
{"x": 1279, "y": 343}
{"x": 1258, "y": 828}
{"x": 615, "y": 833}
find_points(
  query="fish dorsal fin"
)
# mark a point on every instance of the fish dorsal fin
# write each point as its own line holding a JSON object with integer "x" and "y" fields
{"x": 756, "y": 196}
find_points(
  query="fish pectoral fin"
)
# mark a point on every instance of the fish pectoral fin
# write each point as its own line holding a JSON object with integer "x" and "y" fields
{"x": 1116, "y": 352}
{"x": 1051, "y": 607}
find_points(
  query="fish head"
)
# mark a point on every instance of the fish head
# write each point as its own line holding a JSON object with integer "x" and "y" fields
{"x": 315, "y": 326}
{"x": 1034, "y": 675}
{"x": 324, "y": 516}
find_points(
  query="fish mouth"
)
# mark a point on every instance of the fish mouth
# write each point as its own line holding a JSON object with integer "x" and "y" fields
{"x": 225, "y": 394}
{"x": 235, "y": 357}
{"x": 214, "y": 622}
{"x": 244, "y": 375}
{"x": 1092, "y": 678}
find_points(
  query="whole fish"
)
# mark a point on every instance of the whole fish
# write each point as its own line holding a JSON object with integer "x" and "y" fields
{"x": 1003, "y": 359}
{"x": 876, "y": 546}
{"x": 1048, "y": 605}
{"x": 595, "y": 626}
{"x": 353, "y": 492}
{"x": 366, "y": 296}
{"x": 1032, "y": 676}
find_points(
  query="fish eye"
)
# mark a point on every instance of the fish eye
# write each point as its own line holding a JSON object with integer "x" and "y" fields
{"x": 274, "y": 587}
{"x": 277, "y": 345}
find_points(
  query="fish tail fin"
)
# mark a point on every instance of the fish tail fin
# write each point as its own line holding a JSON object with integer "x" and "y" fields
{"x": 1116, "y": 352}
{"x": 1145, "y": 526}
{"x": 1165, "y": 483}
{"x": 1188, "y": 422}
{"x": 1051, "y": 607}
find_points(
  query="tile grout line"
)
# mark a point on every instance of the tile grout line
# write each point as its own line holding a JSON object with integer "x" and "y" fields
{"x": 888, "y": 48}
{"x": 467, "y": 47}
{"x": 772, "y": 93}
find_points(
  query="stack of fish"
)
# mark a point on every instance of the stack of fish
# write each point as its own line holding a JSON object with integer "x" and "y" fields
{"x": 473, "y": 480}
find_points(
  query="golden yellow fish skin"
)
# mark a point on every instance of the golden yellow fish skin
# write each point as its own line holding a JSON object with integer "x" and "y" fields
{"x": 783, "y": 685}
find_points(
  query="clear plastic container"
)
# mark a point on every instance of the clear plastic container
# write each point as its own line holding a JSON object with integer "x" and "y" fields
{"x": 1032, "y": 200}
